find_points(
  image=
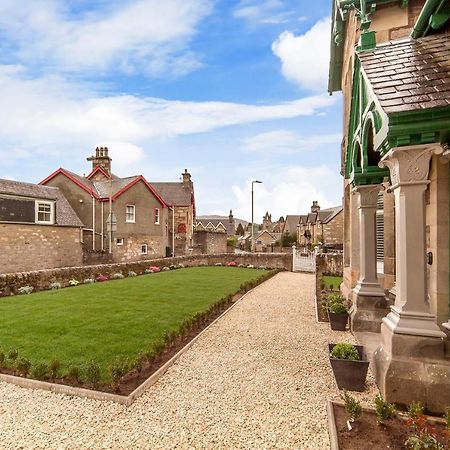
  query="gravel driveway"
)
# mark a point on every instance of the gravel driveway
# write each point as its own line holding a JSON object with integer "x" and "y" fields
{"x": 258, "y": 379}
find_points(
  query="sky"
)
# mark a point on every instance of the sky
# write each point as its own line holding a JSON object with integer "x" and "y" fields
{"x": 232, "y": 90}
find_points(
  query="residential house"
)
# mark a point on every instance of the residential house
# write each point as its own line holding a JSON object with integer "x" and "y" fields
{"x": 324, "y": 226}
{"x": 125, "y": 216}
{"x": 266, "y": 239}
{"x": 180, "y": 198}
{"x": 216, "y": 224}
{"x": 391, "y": 60}
{"x": 38, "y": 228}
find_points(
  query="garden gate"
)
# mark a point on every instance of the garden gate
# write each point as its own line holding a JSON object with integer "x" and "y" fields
{"x": 303, "y": 261}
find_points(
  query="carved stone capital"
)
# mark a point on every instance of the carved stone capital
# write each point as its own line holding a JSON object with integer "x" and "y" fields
{"x": 411, "y": 164}
{"x": 368, "y": 195}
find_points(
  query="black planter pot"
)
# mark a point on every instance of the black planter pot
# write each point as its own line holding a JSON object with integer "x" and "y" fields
{"x": 350, "y": 375}
{"x": 338, "y": 321}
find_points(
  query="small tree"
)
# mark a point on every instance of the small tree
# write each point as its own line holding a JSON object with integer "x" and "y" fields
{"x": 288, "y": 239}
{"x": 240, "y": 230}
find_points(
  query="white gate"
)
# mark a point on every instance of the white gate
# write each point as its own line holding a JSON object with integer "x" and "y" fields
{"x": 303, "y": 261}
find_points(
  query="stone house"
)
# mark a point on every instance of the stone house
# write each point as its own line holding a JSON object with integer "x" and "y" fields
{"x": 217, "y": 224}
{"x": 392, "y": 63}
{"x": 38, "y": 228}
{"x": 265, "y": 239}
{"x": 180, "y": 198}
{"x": 144, "y": 224}
{"x": 323, "y": 226}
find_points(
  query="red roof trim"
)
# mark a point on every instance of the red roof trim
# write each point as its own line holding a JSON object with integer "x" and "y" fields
{"x": 132, "y": 183}
{"x": 98, "y": 169}
{"x": 68, "y": 175}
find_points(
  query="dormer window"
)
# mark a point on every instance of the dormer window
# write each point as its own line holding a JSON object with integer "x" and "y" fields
{"x": 45, "y": 212}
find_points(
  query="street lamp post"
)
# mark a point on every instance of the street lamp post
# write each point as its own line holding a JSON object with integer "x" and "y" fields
{"x": 253, "y": 241}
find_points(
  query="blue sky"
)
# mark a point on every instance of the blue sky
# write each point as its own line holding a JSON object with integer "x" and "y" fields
{"x": 231, "y": 90}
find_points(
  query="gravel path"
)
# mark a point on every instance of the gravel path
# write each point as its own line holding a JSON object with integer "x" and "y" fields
{"x": 258, "y": 379}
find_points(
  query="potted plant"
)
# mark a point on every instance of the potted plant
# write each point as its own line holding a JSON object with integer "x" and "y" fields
{"x": 349, "y": 364}
{"x": 337, "y": 312}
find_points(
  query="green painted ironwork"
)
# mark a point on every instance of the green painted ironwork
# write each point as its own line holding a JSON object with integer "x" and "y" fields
{"x": 388, "y": 131}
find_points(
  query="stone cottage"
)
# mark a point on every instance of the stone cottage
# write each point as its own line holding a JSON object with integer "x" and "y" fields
{"x": 392, "y": 62}
{"x": 38, "y": 228}
{"x": 127, "y": 217}
{"x": 324, "y": 226}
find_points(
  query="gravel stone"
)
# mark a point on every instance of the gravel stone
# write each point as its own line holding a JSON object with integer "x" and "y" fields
{"x": 258, "y": 379}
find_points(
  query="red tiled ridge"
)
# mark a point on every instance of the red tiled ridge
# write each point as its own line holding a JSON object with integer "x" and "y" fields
{"x": 410, "y": 75}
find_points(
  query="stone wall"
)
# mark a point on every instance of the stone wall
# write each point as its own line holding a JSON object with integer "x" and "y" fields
{"x": 41, "y": 279}
{"x": 333, "y": 231}
{"x": 330, "y": 264}
{"x": 206, "y": 242}
{"x": 26, "y": 247}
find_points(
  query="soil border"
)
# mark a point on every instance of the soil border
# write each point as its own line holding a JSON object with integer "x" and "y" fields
{"x": 331, "y": 421}
{"x": 126, "y": 400}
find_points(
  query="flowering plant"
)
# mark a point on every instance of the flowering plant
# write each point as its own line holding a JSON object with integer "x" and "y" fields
{"x": 102, "y": 278}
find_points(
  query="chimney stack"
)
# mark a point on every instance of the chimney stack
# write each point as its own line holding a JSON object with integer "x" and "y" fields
{"x": 101, "y": 159}
{"x": 315, "y": 207}
{"x": 187, "y": 179}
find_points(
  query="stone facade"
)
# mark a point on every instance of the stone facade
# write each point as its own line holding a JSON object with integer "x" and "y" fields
{"x": 210, "y": 243}
{"x": 396, "y": 191}
{"x": 321, "y": 226}
{"x": 184, "y": 228}
{"x": 41, "y": 279}
{"x": 30, "y": 247}
{"x": 129, "y": 236}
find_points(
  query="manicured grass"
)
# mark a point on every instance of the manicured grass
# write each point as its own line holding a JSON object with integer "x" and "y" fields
{"x": 332, "y": 281}
{"x": 117, "y": 318}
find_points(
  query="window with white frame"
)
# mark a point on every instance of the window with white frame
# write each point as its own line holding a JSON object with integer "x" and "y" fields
{"x": 119, "y": 241}
{"x": 156, "y": 216}
{"x": 144, "y": 249}
{"x": 45, "y": 212}
{"x": 130, "y": 216}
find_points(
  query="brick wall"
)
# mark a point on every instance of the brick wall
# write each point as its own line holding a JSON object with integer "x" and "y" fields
{"x": 41, "y": 279}
{"x": 28, "y": 247}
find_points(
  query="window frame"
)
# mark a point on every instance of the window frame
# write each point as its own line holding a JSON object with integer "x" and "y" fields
{"x": 51, "y": 212}
{"x": 119, "y": 241}
{"x": 134, "y": 213}
{"x": 157, "y": 216}
{"x": 146, "y": 249}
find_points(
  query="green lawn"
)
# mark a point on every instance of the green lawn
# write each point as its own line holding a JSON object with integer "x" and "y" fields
{"x": 332, "y": 281}
{"x": 117, "y": 318}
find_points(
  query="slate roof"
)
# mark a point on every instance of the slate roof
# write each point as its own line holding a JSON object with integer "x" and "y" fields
{"x": 103, "y": 187}
{"x": 290, "y": 224}
{"x": 174, "y": 193}
{"x": 65, "y": 215}
{"x": 411, "y": 74}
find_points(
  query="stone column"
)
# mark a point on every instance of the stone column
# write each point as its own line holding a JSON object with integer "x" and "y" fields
{"x": 369, "y": 303}
{"x": 409, "y": 364}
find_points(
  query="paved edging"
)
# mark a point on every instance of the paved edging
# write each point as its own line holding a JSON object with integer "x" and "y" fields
{"x": 126, "y": 400}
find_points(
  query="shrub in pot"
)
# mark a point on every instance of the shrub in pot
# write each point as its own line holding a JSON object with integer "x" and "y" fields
{"x": 337, "y": 312}
{"x": 349, "y": 364}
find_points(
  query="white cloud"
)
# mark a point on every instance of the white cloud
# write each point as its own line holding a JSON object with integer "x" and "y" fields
{"x": 305, "y": 58}
{"x": 288, "y": 190}
{"x": 285, "y": 142}
{"x": 144, "y": 35}
{"x": 52, "y": 115}
{"x": 262, "y": 12}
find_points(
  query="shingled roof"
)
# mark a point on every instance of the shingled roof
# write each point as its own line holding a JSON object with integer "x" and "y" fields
{"x": 410, "y": 74}
{"x": 65, "y": 215}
